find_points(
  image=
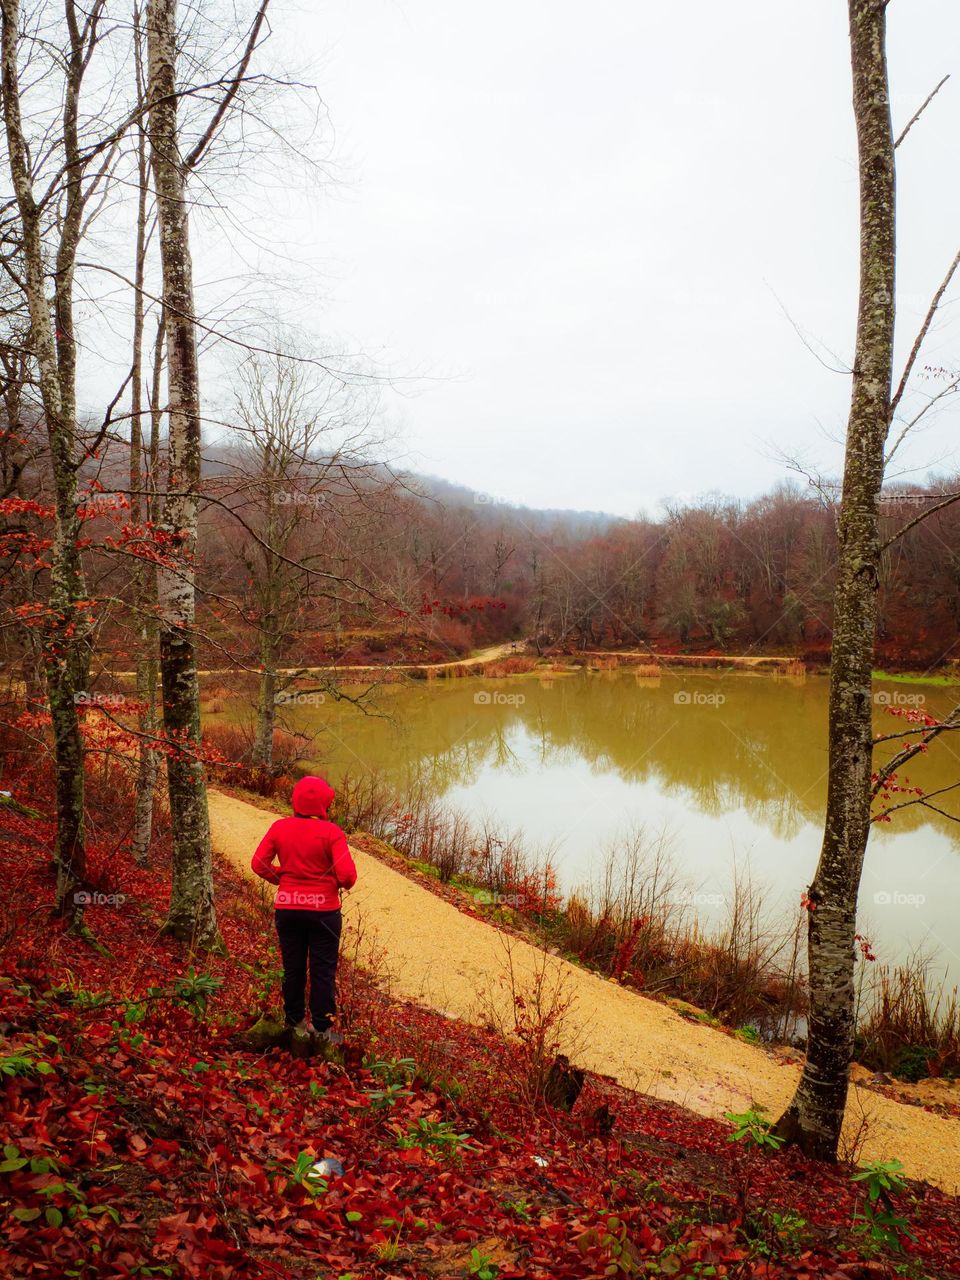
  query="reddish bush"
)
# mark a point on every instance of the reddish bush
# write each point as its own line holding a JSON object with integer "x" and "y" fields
{"x": 512, "y": 666}
{"x": 229, "y": 748}
{"x": 455, "y": 636}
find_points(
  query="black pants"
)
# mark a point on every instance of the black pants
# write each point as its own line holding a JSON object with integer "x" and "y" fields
{"x": 313, "y": 934}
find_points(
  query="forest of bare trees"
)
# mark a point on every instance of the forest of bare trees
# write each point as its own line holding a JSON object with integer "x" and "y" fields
{"x": 159, "y": 526}
{"x": 312, "y": 551}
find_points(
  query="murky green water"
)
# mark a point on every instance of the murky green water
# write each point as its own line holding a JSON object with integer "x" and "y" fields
{"x": 731, "y": 766}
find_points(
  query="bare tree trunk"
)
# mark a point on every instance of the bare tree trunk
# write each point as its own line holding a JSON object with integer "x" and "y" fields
{"x": 148, "y": 765}
{"x": 148, "y": 665}
{"x": 269, "y": 602}
{"x": 266, "y": 706}
{"x": 66, "y": 639}
{"x": 815, "y": 1115}
{"x": 144, "y": 578}
{"x": 192, "y": 915}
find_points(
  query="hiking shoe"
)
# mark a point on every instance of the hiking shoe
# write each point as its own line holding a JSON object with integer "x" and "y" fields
{"x": 301, "y": 1041}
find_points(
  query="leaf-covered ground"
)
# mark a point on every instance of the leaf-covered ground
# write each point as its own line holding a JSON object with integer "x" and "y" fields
{"x": 140, "y": 1140}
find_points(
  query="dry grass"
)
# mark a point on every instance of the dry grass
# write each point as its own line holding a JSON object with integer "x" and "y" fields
{"x": 909, "y": 1025}
{"x": 419, "y": 826}
{"x": 363, "y": 975}
{"x": 606, "y": 662}
{"x": 363, "y": 803}
{"x": 229, "y": 749}
{"x": 214, "y": 701}
{"x": 532, "y": 1008}
{"x": 742, "y": 975}
{"x": 513, "y": 666}
{"x": 637, "y": 925}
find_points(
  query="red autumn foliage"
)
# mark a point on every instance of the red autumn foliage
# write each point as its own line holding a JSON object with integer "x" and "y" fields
{"x": 144, "y": 1138}
{"x": 625, "y": 952}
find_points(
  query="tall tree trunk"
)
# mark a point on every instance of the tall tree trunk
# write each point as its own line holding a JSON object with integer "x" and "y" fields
{"x": 148, "y": 765}
{"x": 266, "y": 705}
{"x": 269, "y": 610}
{"x": 66, "y": 652}
{"x": 144, "y": 577}
{"x": 192, "y": 915}
{"x": 815, "y": 1115}
{"x": 148, "y": 666}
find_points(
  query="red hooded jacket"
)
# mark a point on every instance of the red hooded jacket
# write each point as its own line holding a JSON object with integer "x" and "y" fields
{"x": 314, "y": 862}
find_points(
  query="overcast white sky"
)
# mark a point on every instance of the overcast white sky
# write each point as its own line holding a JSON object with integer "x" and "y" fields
{"x": 585, "y": 223}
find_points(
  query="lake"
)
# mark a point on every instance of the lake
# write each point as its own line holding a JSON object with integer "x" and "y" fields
{"x": 730, "y": 765}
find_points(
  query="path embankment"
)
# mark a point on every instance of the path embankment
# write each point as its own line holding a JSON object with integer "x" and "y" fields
{"x": 449, "y": 961}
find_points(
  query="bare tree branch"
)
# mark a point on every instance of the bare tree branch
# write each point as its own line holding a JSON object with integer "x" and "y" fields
{"x": 917, "y": 114}
{"x": 922, "y": 335}
{"x": 884, "y": 774}
{"x": 224, "y": 105}
{"x": 924, "y": 802}
{"x": 924, "y": 515}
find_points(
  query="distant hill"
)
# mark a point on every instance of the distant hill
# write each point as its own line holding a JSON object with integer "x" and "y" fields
{"x": 582, "y": 523}
{"x": 224, "y": 458}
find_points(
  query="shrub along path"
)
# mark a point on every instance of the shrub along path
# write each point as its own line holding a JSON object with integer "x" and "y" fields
{"x": 447, "y": 960}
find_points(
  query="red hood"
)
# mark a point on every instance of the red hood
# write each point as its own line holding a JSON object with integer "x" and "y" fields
{"x": 312, "y": 797}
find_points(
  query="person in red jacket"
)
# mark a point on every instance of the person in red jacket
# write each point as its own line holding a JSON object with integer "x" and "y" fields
{"x": 313, "y": 864}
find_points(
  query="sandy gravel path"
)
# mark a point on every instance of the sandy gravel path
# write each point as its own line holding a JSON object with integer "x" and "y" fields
{"x": 490, "y": 654}
{"x": 449, "y": 961}
{"x": 746, "y": 661}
